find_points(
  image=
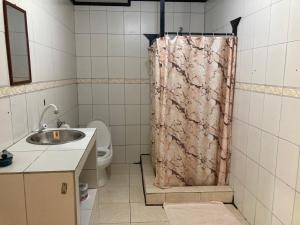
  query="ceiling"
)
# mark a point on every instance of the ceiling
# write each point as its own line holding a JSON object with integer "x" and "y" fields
{"x": 121, "y": 2}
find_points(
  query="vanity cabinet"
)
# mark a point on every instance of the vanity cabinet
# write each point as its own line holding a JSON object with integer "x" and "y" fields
{"x": 50, "y": 198}
{"x": 12, "y": 200}
{"x": 41, "y": 187}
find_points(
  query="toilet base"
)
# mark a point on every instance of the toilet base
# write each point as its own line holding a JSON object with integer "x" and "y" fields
{"x": 102, "y": 177}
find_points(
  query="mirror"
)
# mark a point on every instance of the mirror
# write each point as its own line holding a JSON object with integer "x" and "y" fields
{"x": 17, "y": 45}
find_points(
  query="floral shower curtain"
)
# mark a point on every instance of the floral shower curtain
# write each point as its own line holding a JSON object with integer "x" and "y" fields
{"x": 192, "y": 95}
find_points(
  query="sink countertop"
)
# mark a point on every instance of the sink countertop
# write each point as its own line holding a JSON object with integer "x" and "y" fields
{"x": 30, "y": 158}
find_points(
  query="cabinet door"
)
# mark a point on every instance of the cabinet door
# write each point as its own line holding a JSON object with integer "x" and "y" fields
{"x": 12, "y": 200}
{"x": 50, "y": 199}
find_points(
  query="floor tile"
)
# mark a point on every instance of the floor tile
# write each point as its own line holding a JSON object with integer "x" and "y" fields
{"x": 119, "y": 169}
{"x": 135, "y": 169}
{"x": 114, "y": 194}
{"x": 114, "y": 213}
{"x": 135, "y": 180}
{"x": 136, "y": 194}
{"x": 118, "y": 180}
{"x": 153, "y": 223}
{"x": 141, "y": 213}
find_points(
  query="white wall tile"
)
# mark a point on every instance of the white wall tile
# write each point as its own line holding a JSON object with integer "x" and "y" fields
{"x": 261, "y": 29}
{"x": 101, "y": 112}
{"x": 84, "y": 94}
{"x": 292, "y": 69}
{"x": 254, "y": 143}
{"x": 132, "y": 45}
{"x": 259, "y": 65}
{"x": 256, "y": 109}
{"x": 85, "y": 114}
{"x": 98, "y": 22}
{"x": 265, "y": 188}
{"x": 118, "y": 135}
{"x": 116, "y": 94}
{"x": 133, "y": 114}
{"x": 116, "y": 67}
{"x": 115, "y": 21}
{"x": 249, "y": 207}
{"x": 100, "y": 94}
{"x": 251, "y": 176}
{"x": 133, "y": 135}
{"x": 19, "y": 116}
{"x": 132, "y": 153}
{"x": 82, "y": 21}
{"x": 276, "y": 64}
{"x": 115, "y": 45}
{"x": 283, "y": 202}
{"x": 83, "y": 42}
{"x": 279, "y": 18}
{"x": 271, "y": 114}
{"x": 132, "y": 22}
{"x": 268, "y": 153}
{"x": 132, "y": 68}
{"x": 149, "y": 6}
{"x": 262, "y": 216}
{"x": 99, "y": 67}
{"x": 294, "y": 30}
{"x": 132, "y": 94}
{"x": 98, "y": 45}
{"x": 84, "y": 67}
{"x": 149, "y": 22}
{"x": 288, "y": 154}
{"x": 4, "y": 77}
{"x": 290, "y": 120}
{"x": 296, "y": 217}
{"x": 6, "y": 131}
{"x": 117, "y": 114}
{"x": 182, "y": 20}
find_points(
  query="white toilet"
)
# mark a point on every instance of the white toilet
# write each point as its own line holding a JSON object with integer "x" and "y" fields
{"x": 104, "y": 150}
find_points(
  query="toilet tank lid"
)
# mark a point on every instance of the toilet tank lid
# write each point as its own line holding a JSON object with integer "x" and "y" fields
{"x": 103, "y": 135}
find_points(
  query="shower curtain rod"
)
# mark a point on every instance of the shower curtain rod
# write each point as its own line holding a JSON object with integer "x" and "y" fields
{"x": 151, "y": 37}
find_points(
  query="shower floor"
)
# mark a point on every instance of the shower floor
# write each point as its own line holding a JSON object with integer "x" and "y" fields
{"x": 157, "y": 196}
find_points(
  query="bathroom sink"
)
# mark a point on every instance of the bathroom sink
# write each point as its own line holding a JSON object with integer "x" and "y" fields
{"x": 55, "y": 137}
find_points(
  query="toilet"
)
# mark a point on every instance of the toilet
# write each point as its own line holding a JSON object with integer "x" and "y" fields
{"x": 104, "y": 150}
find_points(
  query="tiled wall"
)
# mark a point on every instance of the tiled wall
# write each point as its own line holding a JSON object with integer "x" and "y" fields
{"x": 112, "y": 67}
{"x": 52, "y": 52}
{"x": 265, "y": 170}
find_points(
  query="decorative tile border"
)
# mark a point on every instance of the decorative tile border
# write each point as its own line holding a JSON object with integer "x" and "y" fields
{"x": 113, "y": 81}
{"x": 268, "y": 89}
{"x": 21, "y": 89}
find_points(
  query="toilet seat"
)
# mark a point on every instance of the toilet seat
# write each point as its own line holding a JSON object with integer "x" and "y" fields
{"x": 103, "y": 136}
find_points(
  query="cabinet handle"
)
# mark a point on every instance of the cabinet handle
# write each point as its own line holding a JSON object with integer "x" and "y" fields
{"x": 64, "y": 188}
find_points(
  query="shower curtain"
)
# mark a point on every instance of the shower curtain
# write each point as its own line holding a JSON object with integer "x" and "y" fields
{"x": 192, "y": 94}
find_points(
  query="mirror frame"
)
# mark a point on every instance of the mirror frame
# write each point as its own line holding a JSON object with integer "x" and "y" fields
{"x": 8, "y": 47}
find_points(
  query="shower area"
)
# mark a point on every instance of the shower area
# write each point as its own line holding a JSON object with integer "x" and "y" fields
{"x": 192, "y": 89}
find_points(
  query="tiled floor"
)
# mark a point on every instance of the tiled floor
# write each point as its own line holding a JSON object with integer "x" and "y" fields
{"x": 121, "y": 201}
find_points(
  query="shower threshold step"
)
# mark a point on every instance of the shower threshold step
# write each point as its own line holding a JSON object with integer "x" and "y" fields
{"x": 158, "y": 196}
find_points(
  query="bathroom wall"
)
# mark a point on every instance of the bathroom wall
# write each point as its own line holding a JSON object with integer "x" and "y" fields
{"x": 53, "y": 63}
{"x": 265, "y": 171}
{"x": 112, "y": 67}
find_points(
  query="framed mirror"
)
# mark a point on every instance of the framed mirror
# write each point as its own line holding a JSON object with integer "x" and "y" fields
{"x": 17, "y": 44}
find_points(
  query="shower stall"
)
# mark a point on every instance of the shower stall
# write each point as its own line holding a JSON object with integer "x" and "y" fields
{"x": 192, "y": 89}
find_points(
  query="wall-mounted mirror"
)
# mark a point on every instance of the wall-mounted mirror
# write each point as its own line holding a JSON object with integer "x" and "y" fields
{"x": 17, "y": 44}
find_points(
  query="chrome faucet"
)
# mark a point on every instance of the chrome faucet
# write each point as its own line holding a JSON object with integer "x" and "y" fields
{"x": 43, "y": 126}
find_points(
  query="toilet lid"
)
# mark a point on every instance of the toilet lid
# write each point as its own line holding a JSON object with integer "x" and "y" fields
{"x": 102, "y": 134}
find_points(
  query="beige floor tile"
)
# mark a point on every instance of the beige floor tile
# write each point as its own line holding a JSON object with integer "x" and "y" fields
{"x": 114, "y": 194}
{"x": 113, "y": 213}
{"x": 112, "y": 224}
{"x": 136, "y": 180}
{"x": 118, "y": 180}
{"x": 141, "y": 213}
{"x": 120, "y": 169}
{"x": 154, "y": 223}
{"x": 136, "y": 194}
{"x": 135, "y": 169}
